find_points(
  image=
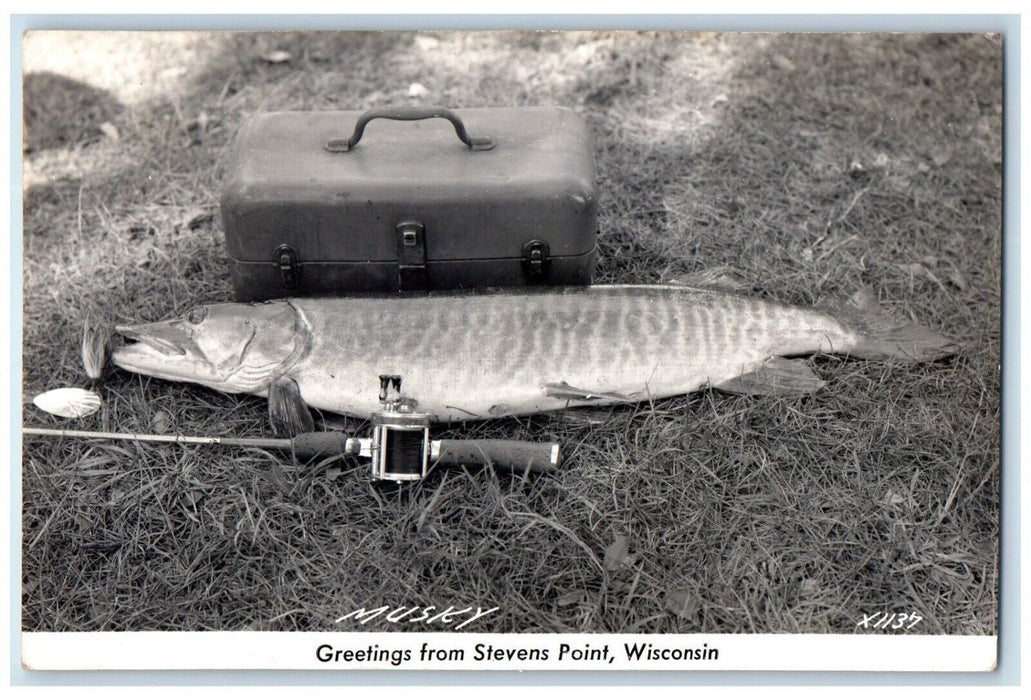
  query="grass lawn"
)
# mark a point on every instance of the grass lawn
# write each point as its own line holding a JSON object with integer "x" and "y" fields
{"x": 811, "y": 164}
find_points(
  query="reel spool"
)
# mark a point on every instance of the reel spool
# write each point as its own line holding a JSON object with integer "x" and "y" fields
{"x": 400, "y": 448}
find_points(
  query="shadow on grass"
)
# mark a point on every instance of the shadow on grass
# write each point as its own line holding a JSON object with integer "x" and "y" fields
{"x": 59, "y": 112}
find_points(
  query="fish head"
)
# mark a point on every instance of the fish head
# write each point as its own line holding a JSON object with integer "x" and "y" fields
{"x": 229, "y": 347}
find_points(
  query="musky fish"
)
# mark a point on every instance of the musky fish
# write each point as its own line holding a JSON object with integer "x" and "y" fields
{"x": 467, "y": 356}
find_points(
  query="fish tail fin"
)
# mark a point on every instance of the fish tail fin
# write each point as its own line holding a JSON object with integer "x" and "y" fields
{"x": 883, "y": 337}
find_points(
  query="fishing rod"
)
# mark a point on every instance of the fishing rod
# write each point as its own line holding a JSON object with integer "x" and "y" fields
{"x": 396, "y": 453}
{"x": 400, "y": 447}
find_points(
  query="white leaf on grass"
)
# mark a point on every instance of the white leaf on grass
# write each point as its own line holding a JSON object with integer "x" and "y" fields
{"x": 683, "y": 604}
{"x": 810, "y": 586}
{"x": 941, "y": 156}
{"x": 173, "y": 72}
{"x": 911, "y": 268}
{"x": 160, "y": 421}
{"x": 958, "y": 280}
{"x": 200, "y": 122}
{"x": 783, "y": 62}
{"x": 110, "y": 131}
{"x": 68, "y": 402}
{"x": 276, "y": 57}
{"x": 571, "y": 598}
{"x": 427, "y": 43}
{"x": 616, "y": 553}
{"x": 919, "y": 270}
{"x": 893, "y": 498}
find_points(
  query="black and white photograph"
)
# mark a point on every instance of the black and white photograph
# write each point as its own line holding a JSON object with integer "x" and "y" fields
{"x": 640, "y": 333}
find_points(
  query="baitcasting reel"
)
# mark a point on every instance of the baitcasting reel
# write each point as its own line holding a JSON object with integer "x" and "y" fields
{"x": 401, "y": 447}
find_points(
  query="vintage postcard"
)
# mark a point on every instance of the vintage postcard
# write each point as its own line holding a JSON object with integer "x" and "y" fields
{"x": 511, "y": 350}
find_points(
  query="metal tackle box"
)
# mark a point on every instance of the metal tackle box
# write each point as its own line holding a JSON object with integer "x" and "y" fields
{"x": 321, "y": 203}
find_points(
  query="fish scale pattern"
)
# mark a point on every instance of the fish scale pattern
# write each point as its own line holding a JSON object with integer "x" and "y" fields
{"x": 482, "y": 355}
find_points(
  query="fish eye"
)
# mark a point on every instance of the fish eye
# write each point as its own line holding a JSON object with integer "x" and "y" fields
{"x": 197, "y": 315}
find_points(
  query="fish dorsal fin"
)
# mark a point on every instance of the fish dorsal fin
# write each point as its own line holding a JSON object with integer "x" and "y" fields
{"x": 723, "y": 278}
{"x": 562, "y": 390}
{"x": 287, "y": 411}
{"x": 778, "y": 376}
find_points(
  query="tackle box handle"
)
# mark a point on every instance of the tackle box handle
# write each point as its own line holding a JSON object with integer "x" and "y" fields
{"x": 408, "y": 114}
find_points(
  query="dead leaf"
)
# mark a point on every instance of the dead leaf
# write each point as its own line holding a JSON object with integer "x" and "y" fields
{"x": 198, "y": 218}
{"x": 900, "y": 183}
{"x": 160, "y": 422}
{"x": 201, "y": 122}
{"x": 810, "y": 586}
{"x": 941, "y": 156}
{"x": 747, "y": 459}
{"x": 110, "y": 131}
{"x": 782, "y": 62}
{"x": 616, "y": 553}
{"x": 427, "y": 43}
{"x": 958, "y": 280}
{"x": 571, "y": 598}
{"x": 683, "y": 604}
{"x": 912, "y": 268}
{"x": 276, "y": 57}
{"x": 893, "y": 499}
{"x": 173, "y": 72}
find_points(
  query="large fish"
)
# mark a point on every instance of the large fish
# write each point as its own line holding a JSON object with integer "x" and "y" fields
{"x": 466, "y": 356}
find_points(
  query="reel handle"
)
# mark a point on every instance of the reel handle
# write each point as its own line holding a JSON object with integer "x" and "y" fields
{"x": 515, "y": 455}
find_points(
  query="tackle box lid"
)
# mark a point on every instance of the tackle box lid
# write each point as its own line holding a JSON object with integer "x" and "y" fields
{"x": 295, "y": 170}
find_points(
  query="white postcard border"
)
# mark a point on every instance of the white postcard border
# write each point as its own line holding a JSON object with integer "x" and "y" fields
{"x": 61, "y": 651}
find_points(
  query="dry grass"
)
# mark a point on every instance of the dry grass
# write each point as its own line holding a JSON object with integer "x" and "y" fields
{"x": 813, "y": 164}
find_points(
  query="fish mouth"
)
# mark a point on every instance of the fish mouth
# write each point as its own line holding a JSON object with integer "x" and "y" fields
{"x": 163, "y": 351}
{"x": 139, "y": 338}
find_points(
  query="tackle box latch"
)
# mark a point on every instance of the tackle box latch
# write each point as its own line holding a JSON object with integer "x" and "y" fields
{"x": 285, "y": 258}
{"x": 535, "y": 258}
{"x": 411, "y": 255}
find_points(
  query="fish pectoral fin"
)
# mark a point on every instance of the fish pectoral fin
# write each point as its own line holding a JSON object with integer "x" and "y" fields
{"x": 777, "y": 376}
{"x": 561, "y": 390}
{"x": 286, "y": 409}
